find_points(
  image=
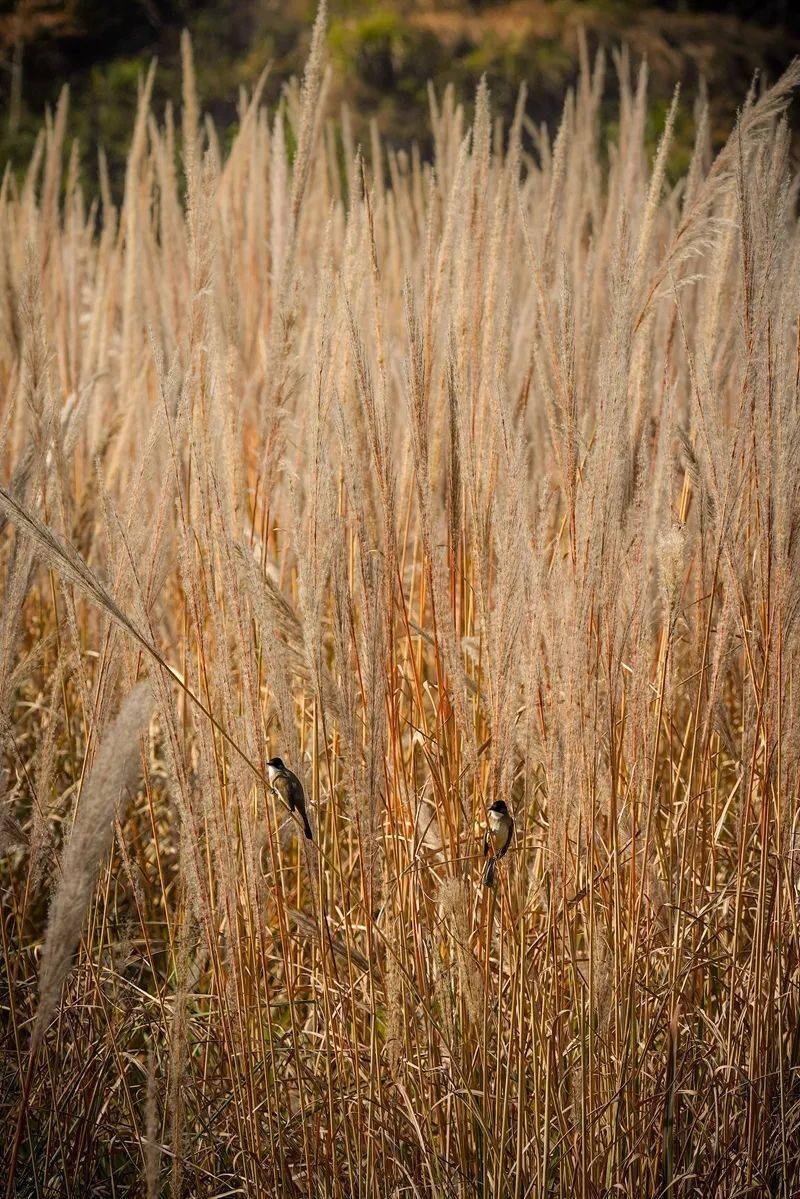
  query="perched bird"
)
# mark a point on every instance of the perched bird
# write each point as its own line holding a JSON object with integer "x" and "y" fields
{"x": 497, "y": 838}
{"x": 289, "y": 788}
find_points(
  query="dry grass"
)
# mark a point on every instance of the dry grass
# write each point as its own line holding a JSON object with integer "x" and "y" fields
{"x": 443, "y": 483}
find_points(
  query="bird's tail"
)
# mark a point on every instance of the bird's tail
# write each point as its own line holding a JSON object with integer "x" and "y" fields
{"x": 490, "y": 873}
{"x": 307, "y": 827}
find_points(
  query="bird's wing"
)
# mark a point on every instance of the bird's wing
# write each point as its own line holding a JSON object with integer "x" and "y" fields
{"x": 487, "y": 836}
{"x": 282, "y": 786}
{"x": 297, "y": 798}
{"x": 509, "y": 834}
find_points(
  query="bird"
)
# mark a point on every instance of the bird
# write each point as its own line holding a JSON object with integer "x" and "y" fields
{"x": 288, "y": 786}
{"x": 497, "y": 838}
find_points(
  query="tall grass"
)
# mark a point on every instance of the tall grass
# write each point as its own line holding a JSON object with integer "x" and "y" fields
{"x": 445, "y": 482}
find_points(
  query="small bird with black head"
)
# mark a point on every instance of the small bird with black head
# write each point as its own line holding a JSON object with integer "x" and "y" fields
{"x": 497, "y": 838}
{"x": 287, "y": 785}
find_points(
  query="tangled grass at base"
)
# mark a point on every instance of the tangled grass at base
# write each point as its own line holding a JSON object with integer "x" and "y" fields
{"x": 445, "y": 483}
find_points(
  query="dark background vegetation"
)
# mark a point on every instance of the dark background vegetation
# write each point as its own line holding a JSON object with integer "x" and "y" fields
{"x": 382, "y": 53}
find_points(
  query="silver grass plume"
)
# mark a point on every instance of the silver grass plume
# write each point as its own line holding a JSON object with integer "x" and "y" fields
{"x": 113, "y": 774}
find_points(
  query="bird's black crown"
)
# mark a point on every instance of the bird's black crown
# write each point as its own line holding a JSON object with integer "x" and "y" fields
{"x": 499, "y": 805}
{"x": 277, "y": 763}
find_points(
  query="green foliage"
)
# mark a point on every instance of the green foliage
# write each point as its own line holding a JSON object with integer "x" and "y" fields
{"x": 383, "y": 58}
{"x": 507, "y": 64}
{"x": 680, "y": 154}
{"x": 110, "y": 47}
{"x": 385, "y": 54}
